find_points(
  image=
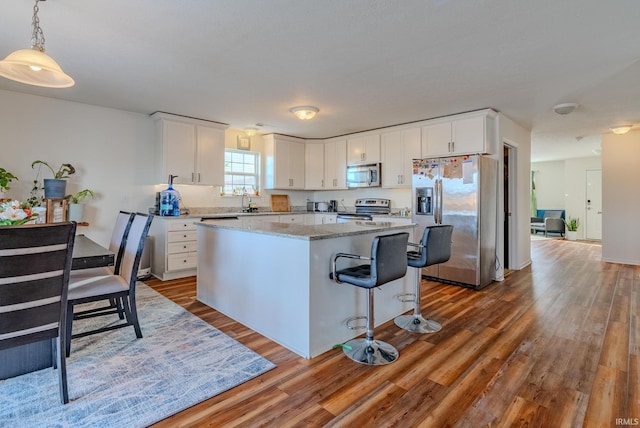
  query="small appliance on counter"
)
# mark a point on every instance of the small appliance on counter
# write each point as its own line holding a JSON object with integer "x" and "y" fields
{"x": 170, "y": 200}
{"x": 322, "y": 207}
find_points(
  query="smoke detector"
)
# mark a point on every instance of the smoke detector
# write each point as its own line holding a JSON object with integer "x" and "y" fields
{"x": 565, "y": 108}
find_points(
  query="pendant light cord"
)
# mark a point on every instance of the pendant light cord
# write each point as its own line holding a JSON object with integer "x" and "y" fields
{"x": 37, "y": 38}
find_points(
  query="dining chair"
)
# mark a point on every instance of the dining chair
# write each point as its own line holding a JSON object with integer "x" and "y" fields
{"x": 116, "y": 245}
{"x": 120, "y": 286}
{"x": 118, "y": 240}
{"x": 35, "y": 262}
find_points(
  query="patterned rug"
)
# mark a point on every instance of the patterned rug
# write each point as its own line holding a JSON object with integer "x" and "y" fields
{"x": 120, "y": 381}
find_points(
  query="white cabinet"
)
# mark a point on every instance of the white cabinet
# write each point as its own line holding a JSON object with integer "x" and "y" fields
{"x": 174, "y": 248}
{"x": 399, "y": 148}
{"x": 335, "y": 164}
{"x": 293, "y": 218}
{"x": 192, "y": 149}
{"x": 314, "y": 166}
{"x": 363, "y": 148}
{"x": 284, "y": 162}
{"x": 326, "y": 218}
{"x": 461, "y": 134}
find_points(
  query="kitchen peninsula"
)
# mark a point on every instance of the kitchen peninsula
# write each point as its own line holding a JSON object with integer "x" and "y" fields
{"x": 274, "y": 278}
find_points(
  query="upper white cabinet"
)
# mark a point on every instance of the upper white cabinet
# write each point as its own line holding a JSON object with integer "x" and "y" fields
{"x": 314, "y": 166}
{"x": 335, "y": 164}
{"x": 284, "y": 162}
{"x": 399, "y": 148}
{"x": 363, "y": 148}
{"x": 192, "y": 149}
{"x": 466, "y": 133}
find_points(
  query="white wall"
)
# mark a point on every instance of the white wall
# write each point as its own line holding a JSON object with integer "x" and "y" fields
{"x": 110, "y": 150}
{"x": 621, "y": 198}
{"x": 520, "y": 139}
{"x": 550, "y": 182}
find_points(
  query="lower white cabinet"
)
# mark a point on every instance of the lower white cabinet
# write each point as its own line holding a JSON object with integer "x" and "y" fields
{"x": 174, "y": 248}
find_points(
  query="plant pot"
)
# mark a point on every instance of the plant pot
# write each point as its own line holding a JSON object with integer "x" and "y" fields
{"x": 54, "y": 189}
{"x": 571, "y": 235}
{"x": 76, "y": 212}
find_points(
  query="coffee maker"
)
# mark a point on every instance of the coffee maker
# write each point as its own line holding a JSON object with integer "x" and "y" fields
{"x": 333, "y": 206}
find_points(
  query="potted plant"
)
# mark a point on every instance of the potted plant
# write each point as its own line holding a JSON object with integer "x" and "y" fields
{"x": 76, "y": 209}
{"x": 5, "y": 178}
{"x": 54, "y": 188}
{"x": 572, "y": 225}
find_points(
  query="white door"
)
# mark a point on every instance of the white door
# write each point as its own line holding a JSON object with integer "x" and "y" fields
{"x": 593, "y": 226}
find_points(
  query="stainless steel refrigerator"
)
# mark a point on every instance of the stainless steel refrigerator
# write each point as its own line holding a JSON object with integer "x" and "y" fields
{"x": 460, "y": 191}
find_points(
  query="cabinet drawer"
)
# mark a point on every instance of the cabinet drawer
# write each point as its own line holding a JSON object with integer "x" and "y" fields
{"x": 187, "y": 235}
{"x": 181, "y": 225}
{"x": 181, "y": 261}
{"x": 182, "y": 247}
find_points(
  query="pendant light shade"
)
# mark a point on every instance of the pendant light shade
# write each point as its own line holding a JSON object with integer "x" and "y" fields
{"x": 33, "y": 66}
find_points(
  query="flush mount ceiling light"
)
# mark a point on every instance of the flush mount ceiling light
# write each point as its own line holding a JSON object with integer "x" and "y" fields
{"x": 250, "y": 131}
{"x": 620, "y": 130}
{"x": 565, "y": 108}
{"x": 33, "y": 66}
{"x": 305, "y": 112}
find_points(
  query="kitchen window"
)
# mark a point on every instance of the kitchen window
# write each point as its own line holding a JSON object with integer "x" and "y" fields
{"x": 241, "y": 173}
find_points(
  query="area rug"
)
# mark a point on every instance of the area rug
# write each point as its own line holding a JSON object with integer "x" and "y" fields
{"x": 120, "y": 381}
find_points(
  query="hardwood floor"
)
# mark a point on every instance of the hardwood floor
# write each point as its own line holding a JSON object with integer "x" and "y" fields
{"x": 556, "y": 344}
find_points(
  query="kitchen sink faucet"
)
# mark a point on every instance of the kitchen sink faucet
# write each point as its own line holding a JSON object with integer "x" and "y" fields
{"x": 244, "y": 210}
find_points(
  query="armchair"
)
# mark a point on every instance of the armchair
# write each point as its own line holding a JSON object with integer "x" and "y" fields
{"x": 548, "y": 221}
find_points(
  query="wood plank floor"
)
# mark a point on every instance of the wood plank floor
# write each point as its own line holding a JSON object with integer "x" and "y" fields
{"x": 556, "y": 344}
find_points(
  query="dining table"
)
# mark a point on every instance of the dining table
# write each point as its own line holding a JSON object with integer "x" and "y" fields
{"x": 38, "y": 355}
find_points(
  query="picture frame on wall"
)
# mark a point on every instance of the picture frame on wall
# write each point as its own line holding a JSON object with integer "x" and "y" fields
{"x": 244, "y": 143}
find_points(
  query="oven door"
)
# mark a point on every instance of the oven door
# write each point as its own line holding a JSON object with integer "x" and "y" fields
{"x": 347, "y": 217}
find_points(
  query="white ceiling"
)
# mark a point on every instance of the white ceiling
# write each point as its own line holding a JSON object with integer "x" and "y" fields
{"x": 364, "y": 63}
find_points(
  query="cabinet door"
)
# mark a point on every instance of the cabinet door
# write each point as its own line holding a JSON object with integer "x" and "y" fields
{"x": 179, "y": 143}
{"x": 210, "y": 156}
{"x": 391, "y": 147}
{"x": 399, "y": 148}
{"x": 281, "y": 165}
{"x": 296, "y": 165}
{"x": 364, "y": 149}
{"x": 468, "y": 135}
{"x": 335, "y": 165}
{"x": 314, "y": 167}
{"x": 436, "y": 139}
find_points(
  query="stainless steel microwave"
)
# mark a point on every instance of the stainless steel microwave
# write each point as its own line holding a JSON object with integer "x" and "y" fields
{"x": 367, "y": 175}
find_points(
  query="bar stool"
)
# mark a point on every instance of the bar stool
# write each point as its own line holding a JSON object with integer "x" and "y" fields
{"x": 434, "y": 248}
{"x": 387, "y": 263}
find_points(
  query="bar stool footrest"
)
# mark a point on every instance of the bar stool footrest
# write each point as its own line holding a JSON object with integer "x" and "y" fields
{"x": 407, "y": 297}
{"x": 370, "y": 352}
{"x": 417, "y": 324}
{"x": 354, "y": 319}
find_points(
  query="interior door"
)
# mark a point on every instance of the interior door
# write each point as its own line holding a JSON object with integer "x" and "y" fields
{"x": 593, "y": 226}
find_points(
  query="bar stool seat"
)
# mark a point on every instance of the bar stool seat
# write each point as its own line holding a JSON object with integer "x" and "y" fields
{"x": 387, "y": 263}
{"x": 434, "y": 248}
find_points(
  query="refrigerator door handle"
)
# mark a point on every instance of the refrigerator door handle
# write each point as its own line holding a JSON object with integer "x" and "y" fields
{"x": 438, "y": 200}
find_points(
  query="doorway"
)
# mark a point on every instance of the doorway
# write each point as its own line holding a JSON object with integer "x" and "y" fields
{"x": 509, "y": 201}
{"x": 593, "y": 222}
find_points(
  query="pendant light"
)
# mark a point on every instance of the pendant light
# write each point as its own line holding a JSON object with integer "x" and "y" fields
{"x": 33, "y": 66}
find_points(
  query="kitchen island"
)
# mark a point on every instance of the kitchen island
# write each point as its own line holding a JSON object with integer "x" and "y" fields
{"x": 274, "y": 278}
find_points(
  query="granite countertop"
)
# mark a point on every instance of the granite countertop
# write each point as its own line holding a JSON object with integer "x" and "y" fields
{"x": 214, "y": 215}
{"x": 306, "y": 232}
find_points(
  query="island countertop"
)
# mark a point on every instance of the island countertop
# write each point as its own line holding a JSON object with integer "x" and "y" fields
{"x": 306, "y": 232}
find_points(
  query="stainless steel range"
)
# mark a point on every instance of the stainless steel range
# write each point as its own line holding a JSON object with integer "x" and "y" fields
{"x": 365, "y": 209}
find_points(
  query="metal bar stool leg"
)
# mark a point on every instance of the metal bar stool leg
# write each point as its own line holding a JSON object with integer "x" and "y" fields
{"x": 368, "y": 350}
{"x": 416, "y": 323}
